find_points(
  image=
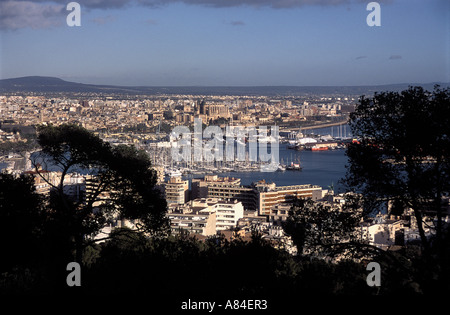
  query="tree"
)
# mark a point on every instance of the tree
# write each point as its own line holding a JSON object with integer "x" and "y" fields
{"x": 403, "y": 153}
{"x": 401, "y": 161}
{"x": 325, "y": 230}
{"x": 21, "y": 214}
{"x": 119, "y": 184}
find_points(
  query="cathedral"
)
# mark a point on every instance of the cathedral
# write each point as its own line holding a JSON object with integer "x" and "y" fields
{"x": 211, "y": 110}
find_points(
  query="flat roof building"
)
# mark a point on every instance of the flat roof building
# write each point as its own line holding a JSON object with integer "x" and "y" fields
{"x": 206, "y": 216}
{"x": 203, "y": 223}
{"x": 224, "y": 188}
{"x": 269, "y": 195}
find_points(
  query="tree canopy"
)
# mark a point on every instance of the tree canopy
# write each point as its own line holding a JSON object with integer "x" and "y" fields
{"x": 120, "y": 183}
{"x": 400, "y": 164}
{"x": 403, "y": 153}
{"x": 21, "y": 211}
{"x": 322, "y": 229}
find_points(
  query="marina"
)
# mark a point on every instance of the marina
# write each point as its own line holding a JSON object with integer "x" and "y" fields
{"x": 297, "y": 165}
{"x": 245, "y": 158}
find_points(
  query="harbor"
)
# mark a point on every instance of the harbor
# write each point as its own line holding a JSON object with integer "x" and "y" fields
{"x": 297, "y": 165}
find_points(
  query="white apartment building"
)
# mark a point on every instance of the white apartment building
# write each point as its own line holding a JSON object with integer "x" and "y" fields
{"x": 203, "y": 223}
{"x": 227, "y": 214}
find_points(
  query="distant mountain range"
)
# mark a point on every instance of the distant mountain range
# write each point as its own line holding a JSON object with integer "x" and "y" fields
{"x": 40, "y": 84}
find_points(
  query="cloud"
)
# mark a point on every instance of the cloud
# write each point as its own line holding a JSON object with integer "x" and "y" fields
{"x": 22, "y": 14}
{"x": 16, "y": 14}
{"x": 104, "y": 20}
{"x": 39, "y": 14}
{"x": 91, "y": 4}
{"x": 395, "y": 57}
{"x": 117, "y": 4}
{"x": 276, "y": 4}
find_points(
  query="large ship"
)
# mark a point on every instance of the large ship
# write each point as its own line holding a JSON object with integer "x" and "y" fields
{"x": 322, "y": 146}
{"x": 316, "y": 148}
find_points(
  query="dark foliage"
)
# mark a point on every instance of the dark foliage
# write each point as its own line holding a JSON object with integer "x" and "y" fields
{"x": 183, "y": 268}
{"x": 122, "y": 181}
{"x": 401, "y": 163}
{"x": 403, "y": 152}
{"x": 21, "y": 216}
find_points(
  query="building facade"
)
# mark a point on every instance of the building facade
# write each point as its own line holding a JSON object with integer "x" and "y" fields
{"x": 269, "y": 195}
{"x": 203, "y": 223}
{"x": 176, "y": 190}
{"x": 224, "y": 188}
{"x": 227, "y": 214}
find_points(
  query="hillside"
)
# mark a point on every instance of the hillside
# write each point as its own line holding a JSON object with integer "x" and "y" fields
{"x": 40, "y": 84}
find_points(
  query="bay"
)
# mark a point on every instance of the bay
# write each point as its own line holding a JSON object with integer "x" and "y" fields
{"x": 322, "y": 168}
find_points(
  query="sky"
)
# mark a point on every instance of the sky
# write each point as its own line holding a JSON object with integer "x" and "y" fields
{"x": 227, "y": 42}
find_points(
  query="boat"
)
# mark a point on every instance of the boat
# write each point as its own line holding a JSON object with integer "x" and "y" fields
{"x": 173, "y": 173}
{"x": 292, "y": 144}
{"x": 281, "y": 168}
{"x": 294, "y": 167}
{"x": 315, "y": 148}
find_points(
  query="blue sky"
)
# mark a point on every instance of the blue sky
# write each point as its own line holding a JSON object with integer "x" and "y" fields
{"x": 221, "y": 42}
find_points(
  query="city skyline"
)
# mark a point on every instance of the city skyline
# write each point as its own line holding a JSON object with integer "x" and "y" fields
{"x": 233, "y": 43}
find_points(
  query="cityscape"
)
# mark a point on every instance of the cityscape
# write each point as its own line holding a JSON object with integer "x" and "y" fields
{"x": 225, "y": 186}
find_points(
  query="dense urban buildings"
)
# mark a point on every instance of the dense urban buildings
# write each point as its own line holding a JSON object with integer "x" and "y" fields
{"x": 116, "y": 114}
